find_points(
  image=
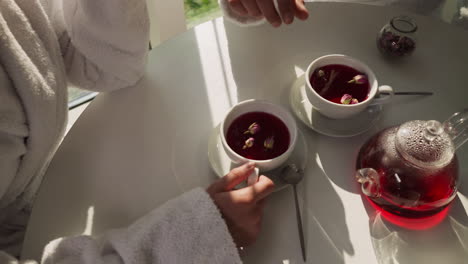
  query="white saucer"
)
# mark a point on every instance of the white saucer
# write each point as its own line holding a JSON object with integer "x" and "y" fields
{"x": 221, "y": 164}
{"x": 353, "y": 126}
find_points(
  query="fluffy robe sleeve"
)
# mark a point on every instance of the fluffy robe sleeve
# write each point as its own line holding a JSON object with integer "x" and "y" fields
{"x": 187, "y": 229}
{"x": 104, "y": 43}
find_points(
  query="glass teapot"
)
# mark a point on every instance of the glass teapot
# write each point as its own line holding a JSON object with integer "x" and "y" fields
{"x": 411, "y": 170}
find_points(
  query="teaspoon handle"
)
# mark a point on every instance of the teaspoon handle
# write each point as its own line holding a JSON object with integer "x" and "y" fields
{"x": 411, "y": 93}
{"x": 299, "y": 224}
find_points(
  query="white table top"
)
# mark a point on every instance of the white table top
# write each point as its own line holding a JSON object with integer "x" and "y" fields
{"x": 133, "y": 149}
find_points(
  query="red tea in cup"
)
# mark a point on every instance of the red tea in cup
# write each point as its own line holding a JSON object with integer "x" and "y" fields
{"x": 340, "y": 84}
{"x": 258, "y": 136}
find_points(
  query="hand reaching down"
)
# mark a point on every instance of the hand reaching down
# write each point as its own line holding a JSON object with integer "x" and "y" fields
{"x": 287, "y": 10}
{"x": 242, "y": 209}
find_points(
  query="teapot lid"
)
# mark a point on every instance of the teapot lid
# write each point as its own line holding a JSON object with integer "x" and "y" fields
{"x": 425, "y": 143}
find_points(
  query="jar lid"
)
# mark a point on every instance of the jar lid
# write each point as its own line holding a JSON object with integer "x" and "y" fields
{"x": 425, "y": 143}
{"x": 404, "y": 24}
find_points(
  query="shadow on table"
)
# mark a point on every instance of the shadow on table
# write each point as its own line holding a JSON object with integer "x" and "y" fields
{"x": 326, "y": 230}
{"x": 269, "y": 75}
{"x": 442, "y": 238}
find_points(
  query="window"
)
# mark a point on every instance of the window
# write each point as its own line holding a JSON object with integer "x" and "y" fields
{"x": 78, "y": 96}
{"x": 199, "y": 11}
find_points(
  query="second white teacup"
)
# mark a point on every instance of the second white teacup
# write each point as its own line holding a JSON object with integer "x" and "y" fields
{"x": 341, "y": 111}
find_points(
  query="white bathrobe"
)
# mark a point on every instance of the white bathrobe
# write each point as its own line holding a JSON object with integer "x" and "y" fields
{"x": 41, "y": 48}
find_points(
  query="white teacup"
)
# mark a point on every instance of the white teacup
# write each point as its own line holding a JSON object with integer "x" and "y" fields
{"x": 254, "y": 105}
{"x": 340, "y": 111}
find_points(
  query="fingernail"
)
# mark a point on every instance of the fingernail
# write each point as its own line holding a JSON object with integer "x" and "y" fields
{"x": 250, "y": 165}
{"x": 288, "y": 18}
{"x": 276, "y": 24}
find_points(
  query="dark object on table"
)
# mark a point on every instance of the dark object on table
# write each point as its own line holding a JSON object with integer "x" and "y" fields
{"x": 398, "y": 37}
{"x": 410, "y": 93}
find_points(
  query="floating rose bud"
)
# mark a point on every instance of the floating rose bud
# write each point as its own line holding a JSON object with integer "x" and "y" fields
{"x": 321, "y": 73}
{"x": 354, "y": 101}
{"x": 346, "y": 99}
{"x": 269, "y": 142}
{"x": 248, "y": 143}
{"x": 358, "y": 79}
{"x": 253, "y": 128}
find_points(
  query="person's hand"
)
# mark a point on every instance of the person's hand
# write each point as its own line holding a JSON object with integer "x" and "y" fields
{"x": 242, "y": 208}
{"x": 288, "y": 9}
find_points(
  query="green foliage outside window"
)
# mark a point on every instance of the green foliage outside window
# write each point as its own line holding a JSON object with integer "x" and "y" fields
{"x": 75, "y": 93}
{"x": 199, "y": 11}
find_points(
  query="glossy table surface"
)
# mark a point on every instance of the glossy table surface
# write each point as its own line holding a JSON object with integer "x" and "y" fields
{"x": 133, "y": 149}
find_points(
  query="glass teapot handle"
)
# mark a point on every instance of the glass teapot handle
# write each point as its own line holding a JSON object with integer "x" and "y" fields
{"x": 457, "y": 127}
{"x": 369, "y": 180}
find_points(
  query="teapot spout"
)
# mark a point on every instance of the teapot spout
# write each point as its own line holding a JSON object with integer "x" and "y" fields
{"x": 369, "y": 180}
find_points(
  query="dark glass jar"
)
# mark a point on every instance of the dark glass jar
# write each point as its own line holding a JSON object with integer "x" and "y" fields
{"x": 398, "y": 37}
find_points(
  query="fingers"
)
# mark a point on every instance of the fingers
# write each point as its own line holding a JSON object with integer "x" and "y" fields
{"x": 252, "y": 8}
{"x": 287, "y": 10}
{"x": 269, "y": 12}
{"x": 243, "y": 208}
{"x": 237, "y": 175}
{"x": 233, "y": 178}
{"x": 263, "y": 187}
{"x": 261, "y": 205}
{"x": 256, "y": 192}
{"x": 238, "y": 7}
{"x": 300, "y": 10}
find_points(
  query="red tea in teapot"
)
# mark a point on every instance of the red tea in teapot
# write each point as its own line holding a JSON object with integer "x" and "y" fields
{"x": 401, "y": 187}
